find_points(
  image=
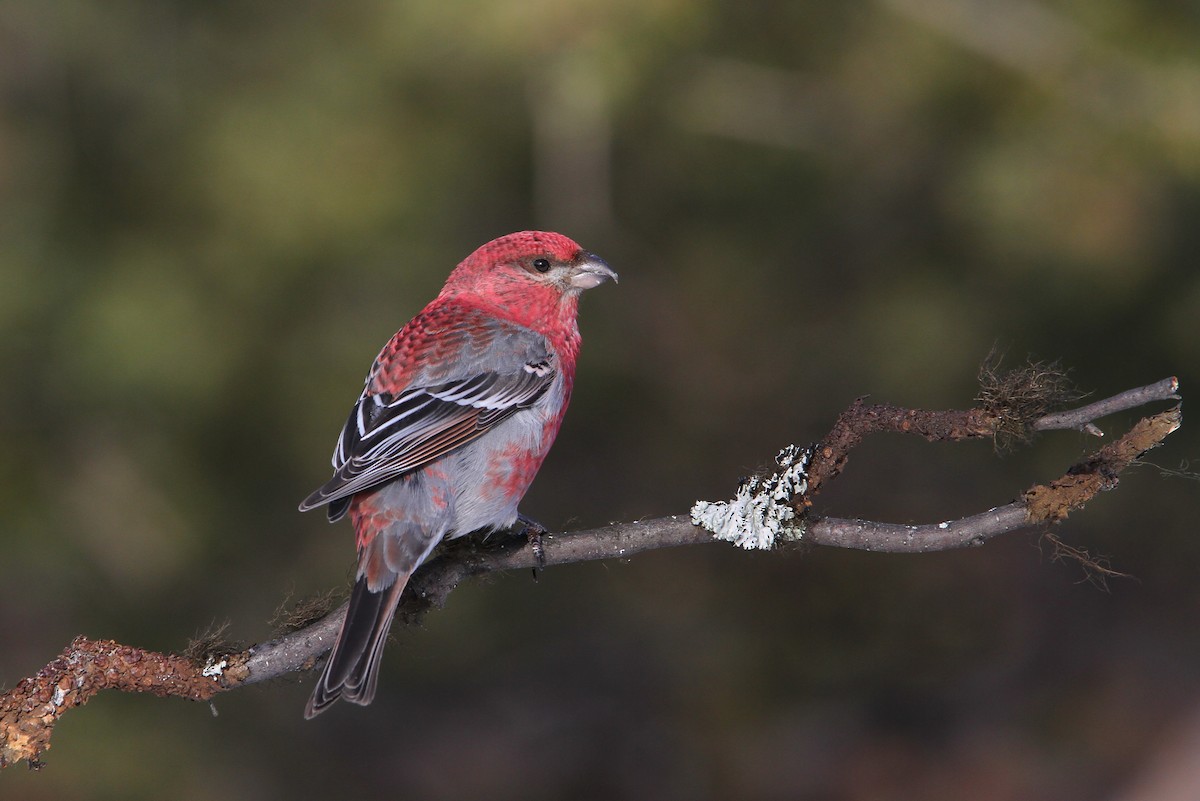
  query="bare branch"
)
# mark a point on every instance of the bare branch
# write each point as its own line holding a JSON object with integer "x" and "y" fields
{"x": 1081, "y": 418}
{"x": 29, "y": 711}
{"x": 867, "y": 535}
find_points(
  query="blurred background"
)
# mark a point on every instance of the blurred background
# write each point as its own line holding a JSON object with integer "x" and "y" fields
{"x": 215, "y": 213}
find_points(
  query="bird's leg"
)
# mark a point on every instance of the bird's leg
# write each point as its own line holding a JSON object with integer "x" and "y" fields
{"x": 534, "y": 531}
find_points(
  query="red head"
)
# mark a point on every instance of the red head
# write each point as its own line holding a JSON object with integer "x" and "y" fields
{"x": 533, "y": 278}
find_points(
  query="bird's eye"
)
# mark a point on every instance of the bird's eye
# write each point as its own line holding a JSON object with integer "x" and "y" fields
{"x": 541, "y": 265}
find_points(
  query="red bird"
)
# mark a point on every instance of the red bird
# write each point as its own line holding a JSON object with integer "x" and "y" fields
{"x": 458, "y": 413}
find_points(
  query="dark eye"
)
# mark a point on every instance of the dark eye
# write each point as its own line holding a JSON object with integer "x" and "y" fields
{"x": 541, "y": 265}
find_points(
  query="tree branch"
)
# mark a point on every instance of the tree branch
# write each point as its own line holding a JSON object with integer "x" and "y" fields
{"x": 1082, "y": 418}
{"x": 29, "y": 711}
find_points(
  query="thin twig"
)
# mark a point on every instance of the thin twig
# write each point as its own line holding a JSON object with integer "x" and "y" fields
{"x": 1081, "y": 418}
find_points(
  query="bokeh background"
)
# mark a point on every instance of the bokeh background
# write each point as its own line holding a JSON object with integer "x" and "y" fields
{"x": 212, "y": 214}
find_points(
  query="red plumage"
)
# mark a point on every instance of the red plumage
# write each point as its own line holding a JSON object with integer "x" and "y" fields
{"x": 458, "y": 413}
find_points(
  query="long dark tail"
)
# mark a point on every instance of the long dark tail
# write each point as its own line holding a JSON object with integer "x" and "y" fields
{"x": 352, "y": 672}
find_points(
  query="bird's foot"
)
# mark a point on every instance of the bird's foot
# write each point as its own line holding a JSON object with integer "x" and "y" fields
{"x": 533, "y": 532}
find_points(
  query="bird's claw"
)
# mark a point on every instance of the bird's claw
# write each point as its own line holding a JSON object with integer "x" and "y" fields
{"x": 534, "y": 531}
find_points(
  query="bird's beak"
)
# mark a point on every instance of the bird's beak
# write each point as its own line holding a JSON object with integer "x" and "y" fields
{"x": 591, "y": 271}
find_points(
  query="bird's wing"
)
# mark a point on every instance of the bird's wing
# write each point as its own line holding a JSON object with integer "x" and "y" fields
{"x": 485, "y": 370}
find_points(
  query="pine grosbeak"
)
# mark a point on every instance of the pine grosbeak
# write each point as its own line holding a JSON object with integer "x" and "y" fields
{"x": 459, "y": 410}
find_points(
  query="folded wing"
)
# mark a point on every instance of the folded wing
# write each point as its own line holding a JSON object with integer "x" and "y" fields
{"x": 390, "y": 434}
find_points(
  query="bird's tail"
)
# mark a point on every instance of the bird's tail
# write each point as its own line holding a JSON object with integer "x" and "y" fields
{"x": 352, "y": 672}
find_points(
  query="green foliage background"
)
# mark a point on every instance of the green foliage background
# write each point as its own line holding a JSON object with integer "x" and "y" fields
{"x": 213, "y": 214}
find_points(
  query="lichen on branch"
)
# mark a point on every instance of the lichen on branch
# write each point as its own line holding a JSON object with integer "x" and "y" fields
{"x": 763, "y": 511}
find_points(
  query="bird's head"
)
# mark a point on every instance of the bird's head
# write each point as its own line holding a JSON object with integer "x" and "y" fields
{"x": 532, "y": 277}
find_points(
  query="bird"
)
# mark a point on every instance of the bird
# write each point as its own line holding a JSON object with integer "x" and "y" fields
{"x": 457, "y": 414}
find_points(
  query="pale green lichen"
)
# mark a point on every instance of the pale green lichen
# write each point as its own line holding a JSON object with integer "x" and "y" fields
{"x": 761, "y": 513}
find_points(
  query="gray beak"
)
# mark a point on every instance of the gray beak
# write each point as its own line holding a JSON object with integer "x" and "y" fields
{"x": 592, "y": 271}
